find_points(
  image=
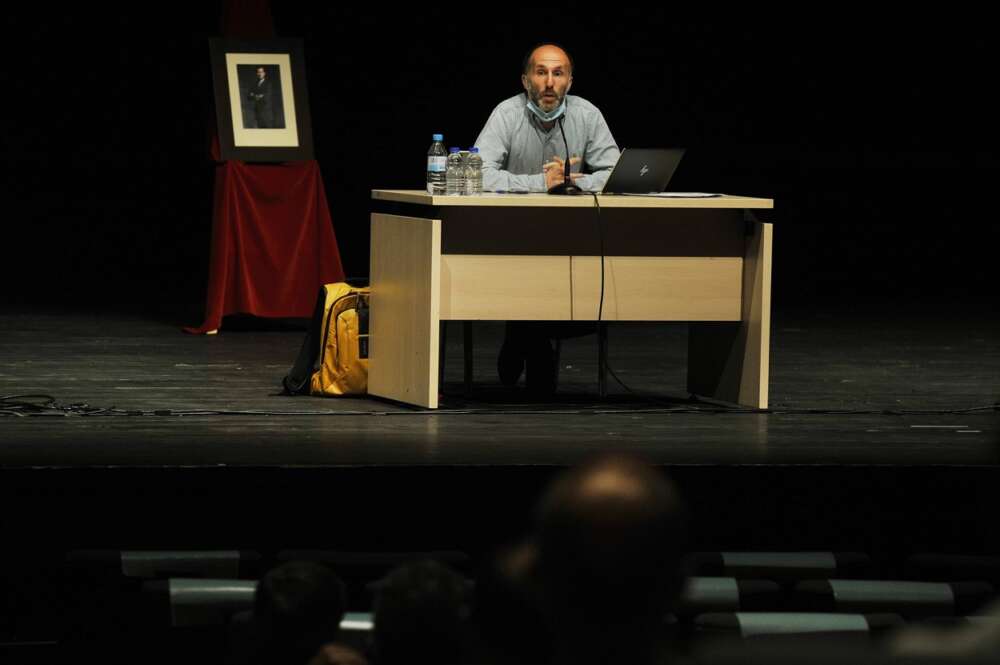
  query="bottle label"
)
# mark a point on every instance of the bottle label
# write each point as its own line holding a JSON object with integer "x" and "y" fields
{"x": 436, "y": 164}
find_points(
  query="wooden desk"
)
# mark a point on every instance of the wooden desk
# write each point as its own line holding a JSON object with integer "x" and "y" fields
{"x": 537, "y": 257}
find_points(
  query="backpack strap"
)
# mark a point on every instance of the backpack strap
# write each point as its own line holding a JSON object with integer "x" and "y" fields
{"x": 296, "y": 382}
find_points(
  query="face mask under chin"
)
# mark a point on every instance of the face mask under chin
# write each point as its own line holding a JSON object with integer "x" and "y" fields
{"x": 547, "y": 116}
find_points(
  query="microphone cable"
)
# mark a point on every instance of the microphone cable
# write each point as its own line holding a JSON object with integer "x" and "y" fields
{"x": 600, "y": 236}
{"x": 567, "y": 167}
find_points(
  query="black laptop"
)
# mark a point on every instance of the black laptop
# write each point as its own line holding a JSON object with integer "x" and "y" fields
{"x": 641, "y": 171}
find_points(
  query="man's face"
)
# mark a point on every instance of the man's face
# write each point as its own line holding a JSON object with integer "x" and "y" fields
{"x": 548, "y": 78}
{"x": 260, "y": 72}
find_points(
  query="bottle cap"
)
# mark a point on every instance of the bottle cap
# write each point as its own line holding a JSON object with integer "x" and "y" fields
{"x": 454, "y": 150}
{"x": 438, "y": 137}
{"x": 473, "y": 149}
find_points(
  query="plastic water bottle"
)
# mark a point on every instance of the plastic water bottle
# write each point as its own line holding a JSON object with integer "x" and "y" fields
{"x": 455, "y": 173}
{"x": 474, "y": 173}
{"x": 465, "y": 164}
{"x": 437, "y": 163}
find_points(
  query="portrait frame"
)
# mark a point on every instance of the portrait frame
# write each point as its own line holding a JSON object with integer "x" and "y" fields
{"x": 261, "y": 100}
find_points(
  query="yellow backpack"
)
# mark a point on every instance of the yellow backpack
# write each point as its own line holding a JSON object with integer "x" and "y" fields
{"x": 338, "y": 339}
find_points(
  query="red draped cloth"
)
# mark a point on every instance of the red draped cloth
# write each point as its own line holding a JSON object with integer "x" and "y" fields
{"x": 273, "y": 244}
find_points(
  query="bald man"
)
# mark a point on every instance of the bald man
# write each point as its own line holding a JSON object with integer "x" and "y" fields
{"x": 605, "y": 561}
{"x": 522, "y": 145}
{"x": 523, "y": 149}
{"x": 614, "y": 529}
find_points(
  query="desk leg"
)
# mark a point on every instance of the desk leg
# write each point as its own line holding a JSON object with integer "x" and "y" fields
{"x": 405, "y": 300}
{"x": 730, "y": 362}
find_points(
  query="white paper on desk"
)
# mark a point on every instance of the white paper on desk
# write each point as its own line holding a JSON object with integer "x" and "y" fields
{"x": 677, "y": 195}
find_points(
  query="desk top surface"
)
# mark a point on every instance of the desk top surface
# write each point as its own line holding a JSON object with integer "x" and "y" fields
{"x": 491, "y": 199}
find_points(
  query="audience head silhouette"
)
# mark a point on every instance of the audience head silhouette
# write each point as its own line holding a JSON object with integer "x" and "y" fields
{"x": 298, "y": 607}
{"x": 421, "y": 612}
{"x": 609, "y": 539}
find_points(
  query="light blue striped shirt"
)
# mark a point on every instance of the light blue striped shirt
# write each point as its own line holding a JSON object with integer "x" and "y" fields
{"x": 514, "y": 146}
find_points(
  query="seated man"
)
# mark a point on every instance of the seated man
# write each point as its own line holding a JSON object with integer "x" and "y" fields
{"x": 420, "y": 616}
{"x": 523, "y": 149}
{"x": 606, "y": 550}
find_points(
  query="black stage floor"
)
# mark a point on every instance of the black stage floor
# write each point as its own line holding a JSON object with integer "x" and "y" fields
{"x": 926, "y": 366}
{"x": 827, "y": 470}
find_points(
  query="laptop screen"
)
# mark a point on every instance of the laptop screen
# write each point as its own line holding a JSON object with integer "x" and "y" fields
{"x": 643, "y": 171}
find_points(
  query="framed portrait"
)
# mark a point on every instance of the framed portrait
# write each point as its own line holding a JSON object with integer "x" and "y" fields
{"x": 261, "y": 103}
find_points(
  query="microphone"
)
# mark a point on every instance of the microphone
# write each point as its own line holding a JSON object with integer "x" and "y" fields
{"x": 566, "y": 187}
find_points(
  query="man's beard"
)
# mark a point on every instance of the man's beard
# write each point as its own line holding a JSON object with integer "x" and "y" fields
{"x": 539, "y": 100}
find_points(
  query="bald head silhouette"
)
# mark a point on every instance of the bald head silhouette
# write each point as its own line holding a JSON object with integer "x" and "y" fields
{"x": 609, "y": 540}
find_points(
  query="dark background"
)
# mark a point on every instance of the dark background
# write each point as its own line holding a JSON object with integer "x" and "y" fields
{"x": 877, "y": 140}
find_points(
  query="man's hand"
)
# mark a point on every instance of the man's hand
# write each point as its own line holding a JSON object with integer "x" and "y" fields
{"x": 555, "y": 171}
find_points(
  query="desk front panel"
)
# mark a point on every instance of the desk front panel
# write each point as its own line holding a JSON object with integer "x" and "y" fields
{"x": 568, "y": 288}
